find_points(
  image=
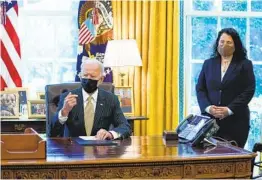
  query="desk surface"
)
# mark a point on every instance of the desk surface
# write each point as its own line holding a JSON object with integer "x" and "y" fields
{"x": 148, "y": 156}
{"x": 130, "y": 118}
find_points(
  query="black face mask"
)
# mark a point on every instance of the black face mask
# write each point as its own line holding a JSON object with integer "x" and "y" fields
{"x": 89, "y": 85}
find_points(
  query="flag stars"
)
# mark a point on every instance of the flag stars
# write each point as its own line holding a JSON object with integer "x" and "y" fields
{"x": 108, "y": 71}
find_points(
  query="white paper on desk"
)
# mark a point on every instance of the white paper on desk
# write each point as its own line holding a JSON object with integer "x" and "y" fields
{"x": 88, "y": 137}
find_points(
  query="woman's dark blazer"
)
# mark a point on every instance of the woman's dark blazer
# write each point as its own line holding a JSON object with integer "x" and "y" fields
{"x": 235, "y": 91}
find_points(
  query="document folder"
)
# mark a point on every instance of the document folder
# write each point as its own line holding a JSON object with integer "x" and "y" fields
{"x": 95, "y": 142}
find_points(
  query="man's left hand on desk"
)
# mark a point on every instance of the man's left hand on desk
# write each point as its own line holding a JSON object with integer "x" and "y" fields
{"x": 103, "y": 134}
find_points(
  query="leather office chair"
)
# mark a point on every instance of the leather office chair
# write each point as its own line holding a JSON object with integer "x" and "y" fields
{"x": 257, "y": 148}
{"x": 52, "y": 95}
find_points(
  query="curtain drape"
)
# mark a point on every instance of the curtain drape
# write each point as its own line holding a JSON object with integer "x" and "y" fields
{"x": 155, "y": 26}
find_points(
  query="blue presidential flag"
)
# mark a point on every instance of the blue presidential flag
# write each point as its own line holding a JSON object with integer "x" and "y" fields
{"x": 95, "y": 24}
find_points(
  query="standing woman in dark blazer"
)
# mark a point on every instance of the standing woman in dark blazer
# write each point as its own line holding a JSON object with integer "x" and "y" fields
{"x": 226, "y": 85}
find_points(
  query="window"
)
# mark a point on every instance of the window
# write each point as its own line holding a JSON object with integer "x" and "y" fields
{"x": 201, "y": 30}
{"x": 49, "y": 42}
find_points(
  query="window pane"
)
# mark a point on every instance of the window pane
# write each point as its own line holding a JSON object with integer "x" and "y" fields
{"x": 49, "y": 36}
{"x": 66, "y": 72}
{"x": 237, "y": 23}
{"x": 255, "y": 126}
{"x": 256, "y": 39}
{"x": 57, "y": 5}
{"x": 204, "y": 32}
{"x": 237, "y": 5}
{"x": 39, "y": 74}
{"x": 194, "y": 108}
{"x": 255, "y": 109}
{"x": 38, "y": 39}
{"x": 201, "y": 5}
{"x": 66, "y": 36}
{"x": 256, "y": 5}
{"x": 258, "y": 75}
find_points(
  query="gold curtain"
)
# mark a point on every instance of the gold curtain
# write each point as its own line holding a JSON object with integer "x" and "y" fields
{"x": 155, "y": 26}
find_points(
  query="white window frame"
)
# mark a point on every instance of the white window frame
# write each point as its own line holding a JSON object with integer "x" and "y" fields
{"x": 24, "y": 13}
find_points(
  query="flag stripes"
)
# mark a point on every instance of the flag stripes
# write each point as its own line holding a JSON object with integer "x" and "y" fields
{"x": 85, "y": 36}
{"x": 10, "y": 30}
{"x": 11, "y": 68}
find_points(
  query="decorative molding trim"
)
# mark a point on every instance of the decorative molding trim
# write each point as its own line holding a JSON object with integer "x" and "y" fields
{"x": 204, "y": 169}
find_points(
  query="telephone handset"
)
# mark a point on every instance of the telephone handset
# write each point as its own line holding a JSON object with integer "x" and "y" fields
{"x": 194, "y": 128}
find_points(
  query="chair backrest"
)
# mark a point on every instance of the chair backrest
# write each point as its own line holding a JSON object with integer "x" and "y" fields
{"x": 52, "y": 95}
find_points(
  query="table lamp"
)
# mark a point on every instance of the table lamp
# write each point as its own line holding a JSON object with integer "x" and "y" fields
{"x": 122, "y": 53}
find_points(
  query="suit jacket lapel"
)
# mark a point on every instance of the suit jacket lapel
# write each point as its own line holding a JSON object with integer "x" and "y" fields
{"x": 79, "y": 108}
{"x": 217, "y": 70}
{"x": 229, "y": 71}
{"x": 100, "y": 104}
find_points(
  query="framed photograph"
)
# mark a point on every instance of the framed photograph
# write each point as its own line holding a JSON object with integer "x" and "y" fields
{"x": 9, "y": 104}
{"x": 125, "y": 96}
{"x": 36, "y": 109}
{"x": 40, "y": 95}
{"x": 23, "y": 96}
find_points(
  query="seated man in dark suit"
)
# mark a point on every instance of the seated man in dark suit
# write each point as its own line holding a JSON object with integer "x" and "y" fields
{"x": 90, "y": 110}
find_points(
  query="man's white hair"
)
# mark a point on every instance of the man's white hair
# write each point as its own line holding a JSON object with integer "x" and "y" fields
{"x": 87, "y": 60}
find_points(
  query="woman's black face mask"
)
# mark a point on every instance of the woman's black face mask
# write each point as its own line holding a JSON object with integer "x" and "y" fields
{"x": 89, "y": 85}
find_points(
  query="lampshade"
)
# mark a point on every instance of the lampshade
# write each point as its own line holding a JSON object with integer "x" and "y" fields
{"x": 122, "y": 53}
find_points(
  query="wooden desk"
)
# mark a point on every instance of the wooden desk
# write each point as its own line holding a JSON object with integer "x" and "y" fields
{"x": 138, "y": 157}
{"x": 18, "y": 125}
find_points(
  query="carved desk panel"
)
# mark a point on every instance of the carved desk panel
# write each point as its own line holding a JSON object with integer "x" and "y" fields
{"x": 137, "y": 157}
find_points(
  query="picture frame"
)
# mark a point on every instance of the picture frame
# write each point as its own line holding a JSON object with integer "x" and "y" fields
{"x": 126, "y": 99}
{"x": 36, "y": 109}
{"x": 23, "y": 97}
{"x": 9, "y": 105}
{"x": 40, "y": 95}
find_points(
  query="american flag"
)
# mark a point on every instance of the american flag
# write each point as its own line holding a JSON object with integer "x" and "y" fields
{"x": 10, "y": 46}
{"x": 87, "y": 32}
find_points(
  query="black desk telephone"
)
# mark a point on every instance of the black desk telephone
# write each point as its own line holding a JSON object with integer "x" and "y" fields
{"x": 195, "y": 128}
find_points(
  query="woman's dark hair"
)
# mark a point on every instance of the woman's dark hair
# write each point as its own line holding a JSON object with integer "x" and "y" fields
{"x": 240, "y": 51}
